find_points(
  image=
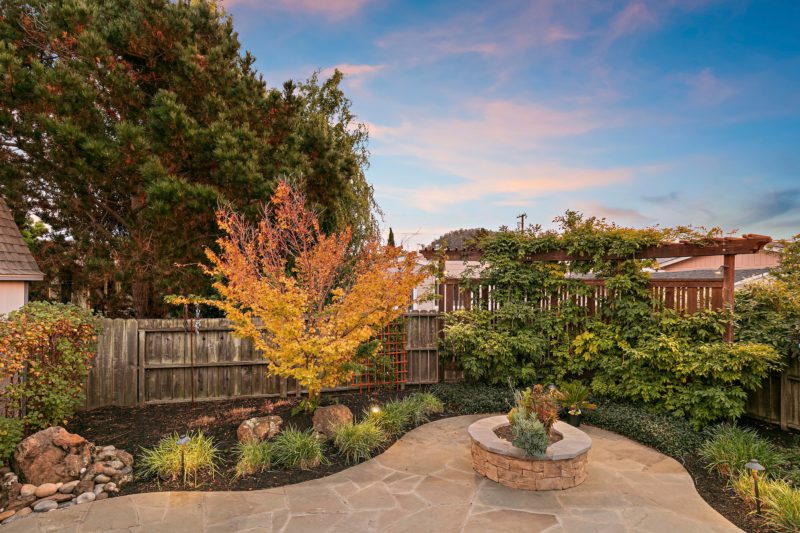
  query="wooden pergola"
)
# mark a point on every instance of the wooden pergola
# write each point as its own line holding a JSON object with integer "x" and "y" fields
{"x": 727, "y": 247}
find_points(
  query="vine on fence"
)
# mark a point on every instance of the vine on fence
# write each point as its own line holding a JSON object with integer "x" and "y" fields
{"x": 629, "y": 347}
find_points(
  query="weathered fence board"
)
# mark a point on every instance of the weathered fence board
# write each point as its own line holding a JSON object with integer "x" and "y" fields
{"x": 164, "y": 360}
{"x": 778, "y": 401}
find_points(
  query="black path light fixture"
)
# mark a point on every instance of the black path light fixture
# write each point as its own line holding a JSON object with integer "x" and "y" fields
{"x": 755, "y": 468}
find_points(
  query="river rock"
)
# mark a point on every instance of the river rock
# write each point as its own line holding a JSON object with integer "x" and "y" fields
{"x": 86, "y": 497}
{"x": 42, "y": 457}
{"x": 327, "y": 419}
{"x": 101, "y": 496}
{"x": 20, "y": 503}
{"x": 68, "y": 488}
{"x": 99, "y": 488}
{"x": 102, "y": 478}
{"x": 46, "y": 489}
{"x": 43, "y": 506}
{"x": 259, "y": 428}
{"x": 27, "y": 490}
{"x": 6, "y": 514}
{"x": 110, "y": 487}
{"x": 85, "y": 485}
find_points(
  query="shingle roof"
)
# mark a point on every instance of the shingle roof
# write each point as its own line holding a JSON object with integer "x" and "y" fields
{"x": 16, "y": 260}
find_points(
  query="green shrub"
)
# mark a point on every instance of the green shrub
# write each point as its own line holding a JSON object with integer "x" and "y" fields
{"x": 394, "y": 417}
{"x": 293, "y": 448}
{"x": 253, "y": 457}
{"x": 356, "y": 442}
{"x": 52, "y": 345}
{"x": 668, "y": 434}
{"x": 782, "y": 505}
{"x": 425, "y": 404}
{"x": 11, "y": 433}
{"x": 529, "y": 435}
{"x": 730, "y": 447}
{"x": 200, "y": 457}
{"x": 474, "y": 398}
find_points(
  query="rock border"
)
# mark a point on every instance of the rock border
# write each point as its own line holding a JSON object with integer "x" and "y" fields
{"x": 563, "y": 466}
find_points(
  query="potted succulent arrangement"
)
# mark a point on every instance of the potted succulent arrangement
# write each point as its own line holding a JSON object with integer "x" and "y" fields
{"x": 574, "y": 398}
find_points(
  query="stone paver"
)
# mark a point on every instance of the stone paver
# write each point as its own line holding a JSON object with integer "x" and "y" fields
{"x": 424, "y": 483}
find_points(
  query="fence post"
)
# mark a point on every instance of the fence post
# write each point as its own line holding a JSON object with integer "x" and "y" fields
{"x": 140, "y": 360}
{"x": 728, "y": 282}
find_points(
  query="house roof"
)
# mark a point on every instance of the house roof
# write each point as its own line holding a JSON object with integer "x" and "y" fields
{"x": 740, "y": 274}
{"x": 16, "y": 261}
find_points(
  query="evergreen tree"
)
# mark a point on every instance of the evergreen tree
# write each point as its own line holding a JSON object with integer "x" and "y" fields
{"x": 390, "y": 241}
{"x": 124, "y": 124}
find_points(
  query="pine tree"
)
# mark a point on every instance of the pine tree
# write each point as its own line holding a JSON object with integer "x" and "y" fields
{"x": 390, "y": 241}
{"x": 124, "y": 124}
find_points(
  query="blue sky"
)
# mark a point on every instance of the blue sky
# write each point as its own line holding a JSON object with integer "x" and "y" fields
{"x": 646, "y": 112}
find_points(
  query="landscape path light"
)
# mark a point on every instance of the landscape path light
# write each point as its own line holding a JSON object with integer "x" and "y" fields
{"x": 182, "y": 442}
{"x": 754, "y": 467}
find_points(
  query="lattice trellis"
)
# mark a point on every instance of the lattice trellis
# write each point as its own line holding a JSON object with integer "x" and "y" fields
{"x": 389, "y": 366}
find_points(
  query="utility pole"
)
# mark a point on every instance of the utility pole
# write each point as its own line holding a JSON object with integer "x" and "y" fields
{"x": 521, "y": 218}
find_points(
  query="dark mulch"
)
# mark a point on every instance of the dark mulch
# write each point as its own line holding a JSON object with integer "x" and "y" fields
{"x": 132, "y": 429}
{"x": 135, "y": 428}
{"x": 717, "y": 494}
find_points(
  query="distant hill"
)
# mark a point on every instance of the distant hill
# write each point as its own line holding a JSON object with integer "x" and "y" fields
{"x": 459, "y": 238}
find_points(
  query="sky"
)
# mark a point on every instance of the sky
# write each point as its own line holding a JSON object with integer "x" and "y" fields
{"x": 644, "y": 112}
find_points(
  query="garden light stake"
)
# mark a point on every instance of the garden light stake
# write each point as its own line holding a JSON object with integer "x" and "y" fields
{"x": 754, "y": 469}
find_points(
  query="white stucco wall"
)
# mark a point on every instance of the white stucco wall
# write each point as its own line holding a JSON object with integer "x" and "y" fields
{"x": 13, "y": 295}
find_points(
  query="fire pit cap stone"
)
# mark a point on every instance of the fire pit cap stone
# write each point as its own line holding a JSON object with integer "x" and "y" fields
{"x": 573, "y": 443}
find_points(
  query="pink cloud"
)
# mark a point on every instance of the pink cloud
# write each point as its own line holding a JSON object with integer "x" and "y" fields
{"x": 707, "y": 89}
{"x": 333, "y": 9}
{"x": 496, "y": 151}
{"x": 634, "y": 18}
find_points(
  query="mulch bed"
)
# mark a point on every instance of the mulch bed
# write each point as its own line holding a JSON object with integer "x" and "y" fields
{"x": 134, "y": 428}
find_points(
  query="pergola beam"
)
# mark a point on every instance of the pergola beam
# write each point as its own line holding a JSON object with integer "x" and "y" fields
{"x": 746, "y": 244}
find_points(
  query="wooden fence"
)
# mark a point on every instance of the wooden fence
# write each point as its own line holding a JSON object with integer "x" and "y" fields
{"x": 157, "y": 361}
{"x": 778, "y": 401}
{"x": 687, "y": 295}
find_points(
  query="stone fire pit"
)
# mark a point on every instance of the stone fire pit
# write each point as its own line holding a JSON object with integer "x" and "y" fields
{"x": 564, "y": 465}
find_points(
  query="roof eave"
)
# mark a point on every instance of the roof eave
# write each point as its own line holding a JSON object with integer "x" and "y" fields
{"x": 22, "y": 277}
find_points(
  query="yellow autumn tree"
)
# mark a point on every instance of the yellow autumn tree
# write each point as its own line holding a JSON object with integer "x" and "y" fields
{"x": 304, "y": 298}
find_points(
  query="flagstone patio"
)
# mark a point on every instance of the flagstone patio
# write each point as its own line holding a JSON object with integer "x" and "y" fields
{"x": 424, "y": 483}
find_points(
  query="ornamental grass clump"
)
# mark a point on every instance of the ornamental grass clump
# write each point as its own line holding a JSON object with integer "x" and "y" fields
{"x": 293, "y": 448}
{"x": 424, "y": 404}
{"x": 730, "y": 447}
{"x": 394, "y": 417}
{"x": 253, "y": 457}
{"x": 780, "y": 502}
{"x": 170, "y": 460}
{"x": 356, "y": 442}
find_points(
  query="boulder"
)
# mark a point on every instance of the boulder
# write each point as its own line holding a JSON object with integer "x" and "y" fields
{"x": 42, "y": 457}
{"x": 327, "y": 419}
{"x": 259, "y": 428}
